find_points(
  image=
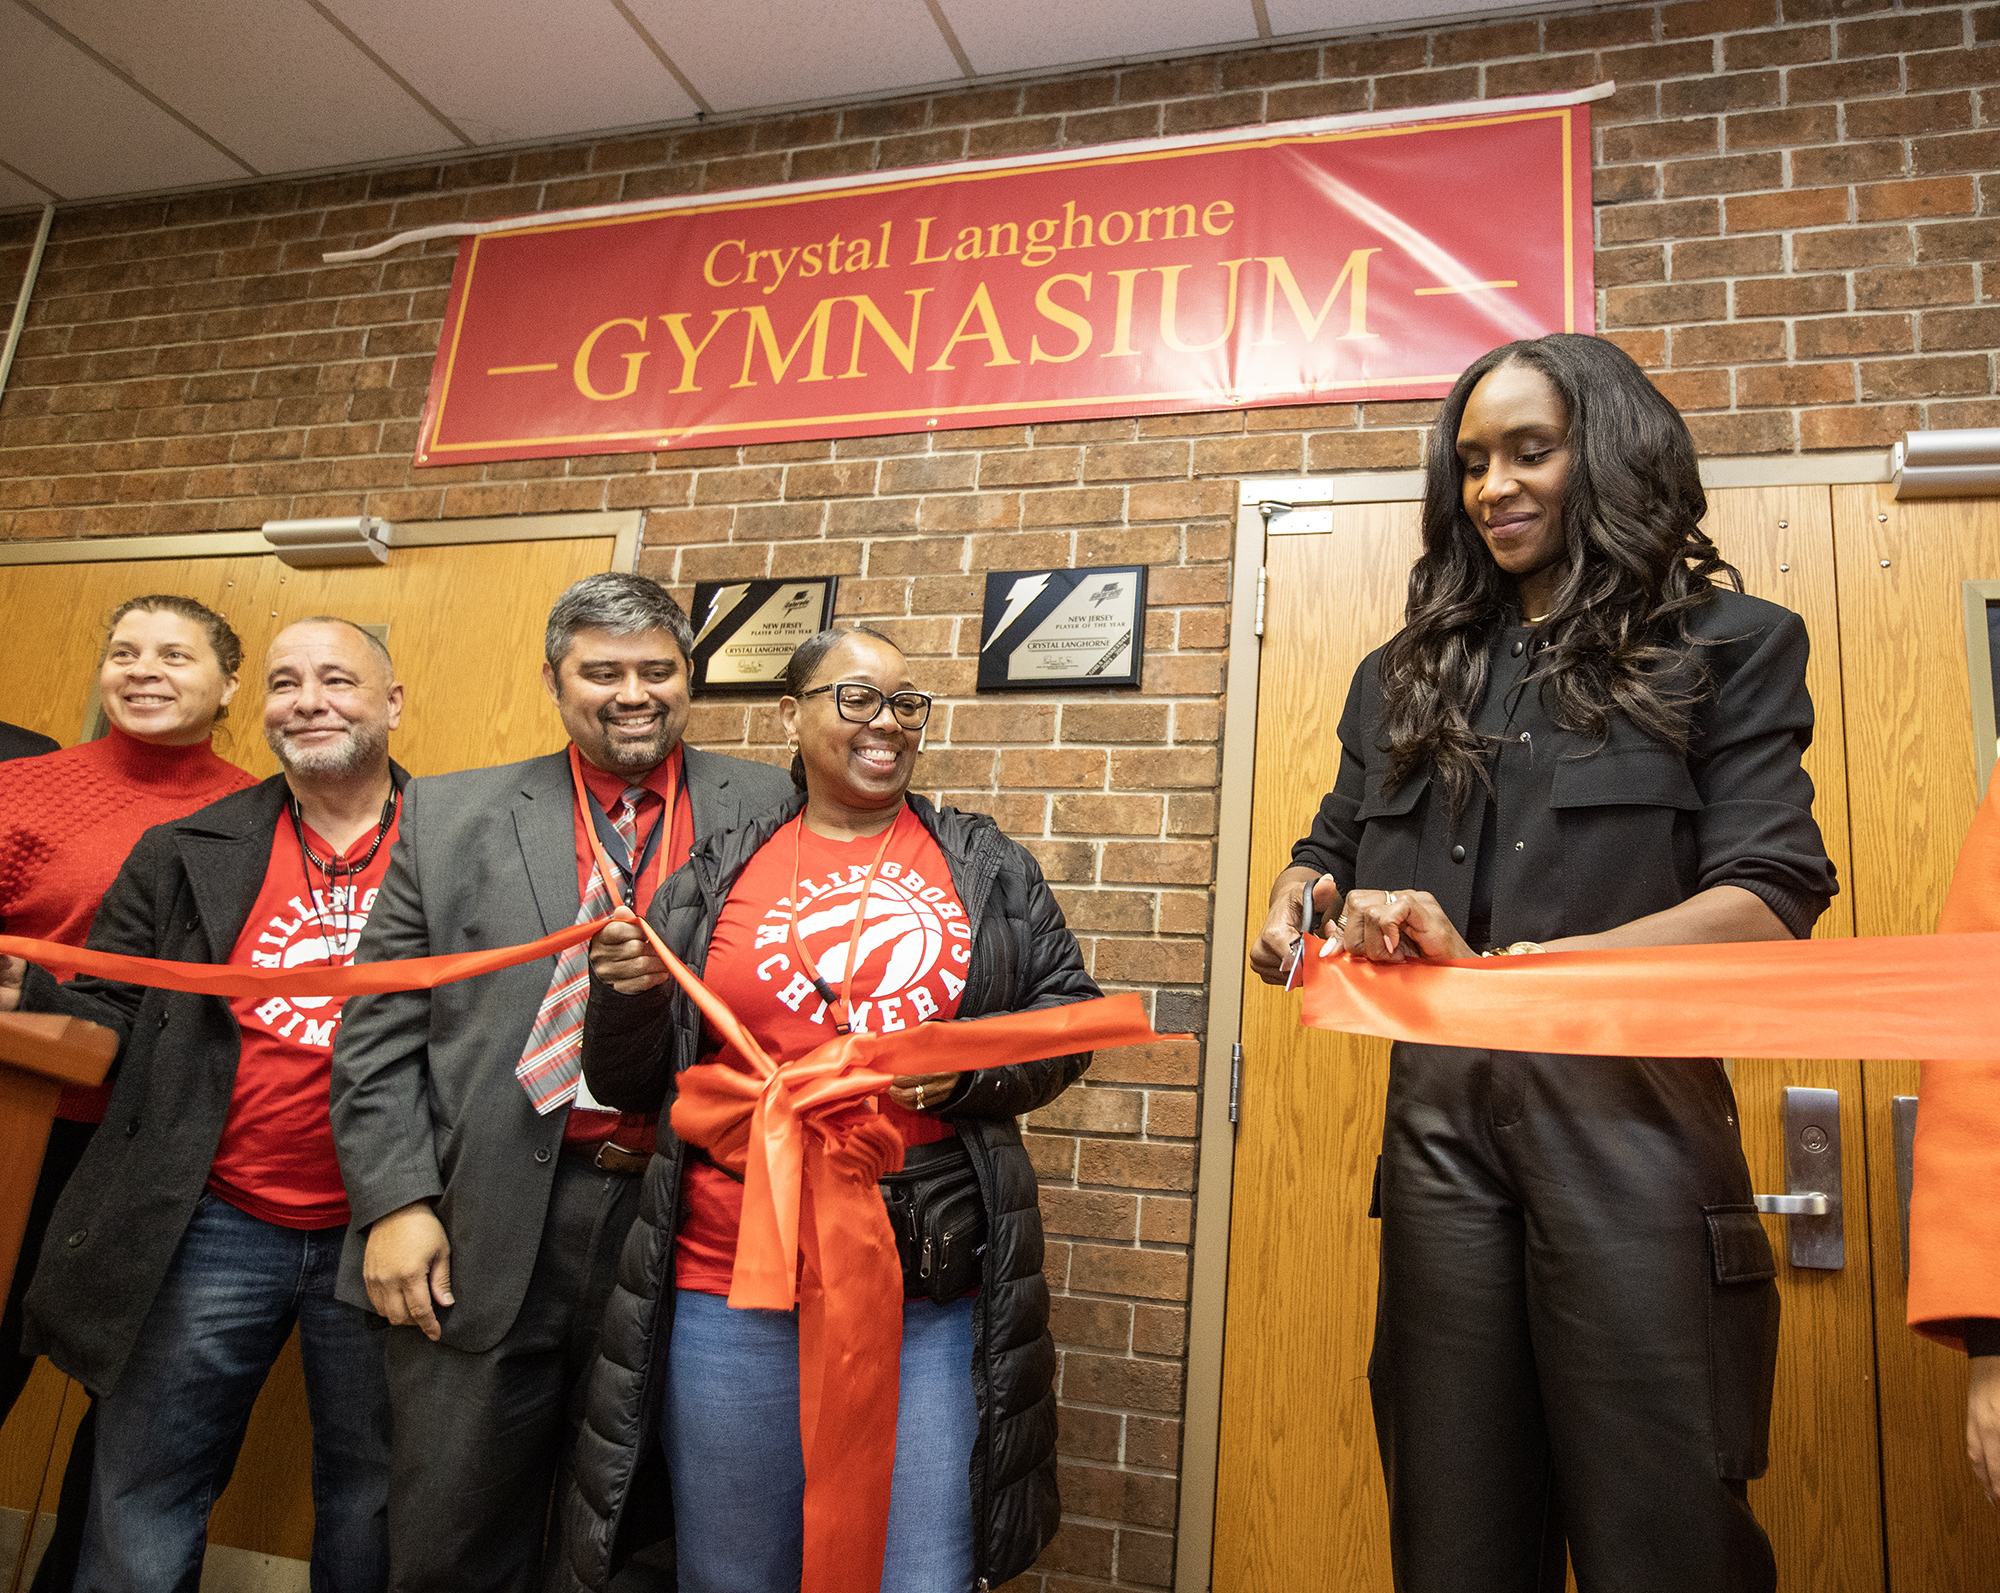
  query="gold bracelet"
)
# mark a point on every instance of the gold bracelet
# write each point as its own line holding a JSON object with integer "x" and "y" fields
{"x": 1520, "y": 948}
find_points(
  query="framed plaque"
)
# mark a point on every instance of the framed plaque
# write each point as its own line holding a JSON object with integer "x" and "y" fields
{"x": 745, "y": 631}
{"x": 1058, "y": 630}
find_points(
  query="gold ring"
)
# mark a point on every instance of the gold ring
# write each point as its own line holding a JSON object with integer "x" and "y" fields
{"x": 920, "y": 1097}
{"x": 1388, "y": 898}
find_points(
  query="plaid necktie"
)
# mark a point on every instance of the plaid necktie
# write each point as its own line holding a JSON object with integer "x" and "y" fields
{"x": 552, "y": 1066}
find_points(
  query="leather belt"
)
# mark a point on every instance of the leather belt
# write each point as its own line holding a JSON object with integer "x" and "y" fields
{"x": 609, "y": 1158}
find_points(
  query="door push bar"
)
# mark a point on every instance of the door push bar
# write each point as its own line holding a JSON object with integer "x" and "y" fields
{"x": 1812, "y": 1179}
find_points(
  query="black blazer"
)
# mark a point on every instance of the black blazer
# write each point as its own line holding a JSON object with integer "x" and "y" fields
{"x": 1590, "y": 834}
{"x": 184, "y": 894}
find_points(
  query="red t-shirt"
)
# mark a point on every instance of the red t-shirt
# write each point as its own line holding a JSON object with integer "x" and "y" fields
{"x": 915, "y": 945}
{"x": 276, "y": 1157}
{"x": 585, "y": 1125}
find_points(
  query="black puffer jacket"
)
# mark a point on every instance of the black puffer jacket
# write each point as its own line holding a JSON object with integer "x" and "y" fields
{"x": 1023, "y": 957}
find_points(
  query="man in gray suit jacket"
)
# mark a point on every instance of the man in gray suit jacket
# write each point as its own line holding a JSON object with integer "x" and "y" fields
{"x": 490, "y": 1200}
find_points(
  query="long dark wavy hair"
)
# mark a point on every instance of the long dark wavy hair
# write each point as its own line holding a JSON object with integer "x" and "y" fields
{"x": 1616, "y": 639}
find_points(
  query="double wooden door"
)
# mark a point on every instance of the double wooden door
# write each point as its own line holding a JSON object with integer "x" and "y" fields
{"x": 1868, "y": 1487}
{"x": 465, "y": 626}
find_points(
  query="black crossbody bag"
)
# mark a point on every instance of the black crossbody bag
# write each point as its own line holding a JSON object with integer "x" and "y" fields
{"x": 939, "y": 1220}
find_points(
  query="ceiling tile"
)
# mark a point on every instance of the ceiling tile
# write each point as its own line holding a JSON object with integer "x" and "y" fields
{"x": 506, "y": 70}
{"x": 748, "y": 53}
{"x": 18, "y": 195}
{"x": 68, "y": 123}
{"x": 1026, "y": 34}
{"x": 272, "y": 79}
{"x": 1327, "y": 16}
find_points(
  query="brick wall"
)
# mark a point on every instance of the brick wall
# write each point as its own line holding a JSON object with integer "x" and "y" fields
{"x": 1796, "y": 202}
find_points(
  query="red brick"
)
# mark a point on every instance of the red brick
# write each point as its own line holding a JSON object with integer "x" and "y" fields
{"x": 1316, "y": 99}
{"x": 1843, "y": 80}
{"x": 1686, "y": 218}
{"x": 1426, "y": 88}
{"x": 1135, "y": 461}
{"x": 1902, "y": 34}
{"x": 1760, "y": 432}
{"x": 1855, "y": 334}
{"x": 1954, "y": 329}
{"x": 1947, "y": 69}
{"x": 1959, "y": 240}
{"x": 1742, "y": 52}
{"x": 1051, "y": 767}
{"x": 1077, "y": 1319}
{"x": 970, "y": 511}
{"x": 1159, "y": 1062}
{"x": 1113, "y": 1269}
{"x": 1108, "y": 815}
{"x": 1935, "y": 196}
{"x": 1168, "y": 1116}
{"x": 1909, "y": 115}
{"x": 1729, "y": 174}
{"x": 1974, "y": 152}
{"x": 1705, "y": 95}
{"x": 1696, "y": 17}
{"x": 1694, "y": 389}
{"x": 1932, "y": 376}
{"x": 1666, "y": 304}
{"x": 1089, "y": 1110}
{"x": 1915, "y": 286}
{"x": 1798, "y": 207}
{"x": 1849, "y": 163}
{"x": 1759, "y": 254}
{"x": 1795, "y": 385}
{"x": 1126, "y": 1164}
{"x": 1808, "y": 295}
{"x": 1386, "y": 450}
{"x": 1647, "y": 141}
{"x": 1849, "y": 248}
{"x": 1094, "y": 911}
{"x": 1875, "y": 427}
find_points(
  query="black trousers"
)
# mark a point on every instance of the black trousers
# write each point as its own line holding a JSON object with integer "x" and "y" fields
{"x": 1576, "y": 1331}
{"x": 482, "y": 1440}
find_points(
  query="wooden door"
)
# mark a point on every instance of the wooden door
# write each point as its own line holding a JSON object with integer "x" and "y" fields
{"x": 1299, "y": 1501}
{"x": 465, "y": 627}
{"x": 1915, "y": 785}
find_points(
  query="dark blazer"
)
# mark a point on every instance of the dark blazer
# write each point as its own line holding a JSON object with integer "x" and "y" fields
{"x": 1589, "y": 834}
{"x": 1023, "y": 957}
{"x": 184, "y": 894}
{"x": 425, "y": 1102}
{"x": 18, "y": 743}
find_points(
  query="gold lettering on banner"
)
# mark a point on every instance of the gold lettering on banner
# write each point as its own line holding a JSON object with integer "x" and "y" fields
{"x": 1077, "y": 324}
{"x": 970, "y": 244}
{"x": 1121, "y": 320}
{"x": 782, "y": 263}
{"x": 904, "y": 349}
{"x": 989, "y": 333}
{"x": 859, "y": 257}
{"x": 761, "y": 331}
{"x": 1170, "y": 278}
{"x": 581, "y": 368}
{"x": 882, "y": 250}
{"x": 1070, "y": 222}
{"x": 690, "y": 352}
{"x": 708, "y": 265}
{"x": 1040, "y": 250}
{"x": 1104, "y": 228}
{"x": 1278, "y": 274}
{"x": 1208, "y": 218}
{"x": 924, "y": 243}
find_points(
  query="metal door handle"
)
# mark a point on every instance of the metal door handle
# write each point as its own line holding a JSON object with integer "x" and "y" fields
{"x": 1812, "y": 1205}
{"x": 1903, "y": 1134}
{"x": 1812, "y": 1180}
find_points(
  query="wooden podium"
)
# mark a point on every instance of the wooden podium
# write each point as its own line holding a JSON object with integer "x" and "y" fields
{"x": 40, "y": 1052}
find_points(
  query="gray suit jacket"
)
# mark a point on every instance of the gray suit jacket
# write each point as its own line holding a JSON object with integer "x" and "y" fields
{"x": 425, "y": 1102}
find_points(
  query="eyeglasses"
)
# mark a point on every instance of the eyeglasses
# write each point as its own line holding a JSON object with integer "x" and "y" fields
{"x": 862, "y": 704}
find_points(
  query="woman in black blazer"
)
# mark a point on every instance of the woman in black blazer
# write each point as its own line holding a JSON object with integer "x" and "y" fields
{"x": 1584, "y": 736}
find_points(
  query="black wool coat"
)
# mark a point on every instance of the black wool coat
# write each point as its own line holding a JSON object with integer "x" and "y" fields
{"x": 184, "y": 894}
{"x": 1023, "y": 957}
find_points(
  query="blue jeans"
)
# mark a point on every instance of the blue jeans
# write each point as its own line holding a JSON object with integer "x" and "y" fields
{"x": 169, "y": 1431}
{"x": 730, "y": 1429}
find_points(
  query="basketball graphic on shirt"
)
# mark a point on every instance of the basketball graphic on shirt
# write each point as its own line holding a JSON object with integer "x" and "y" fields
{"x": 901, "y": 928}
{"x": 319, "y": 932}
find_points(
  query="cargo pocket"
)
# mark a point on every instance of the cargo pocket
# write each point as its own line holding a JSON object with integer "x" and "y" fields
{"x": 1742, "y": 1339}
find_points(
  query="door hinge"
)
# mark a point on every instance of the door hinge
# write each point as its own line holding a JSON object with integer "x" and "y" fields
{"x": 1235, "y": 1078}
{"x": 1263, "y": 576}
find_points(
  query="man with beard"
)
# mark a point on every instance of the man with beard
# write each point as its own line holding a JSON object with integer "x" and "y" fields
{"x": 207, "y": 1216}
{"x": 491, "y": 1195}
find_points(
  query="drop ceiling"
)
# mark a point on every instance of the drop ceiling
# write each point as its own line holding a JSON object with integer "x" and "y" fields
{"x": 115, "y": 98}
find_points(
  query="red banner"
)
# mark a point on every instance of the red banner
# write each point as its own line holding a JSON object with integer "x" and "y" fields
{"x": 1305, "y": 262}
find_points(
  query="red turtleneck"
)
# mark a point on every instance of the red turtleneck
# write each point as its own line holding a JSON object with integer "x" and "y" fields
{"x": 67, "y": 821}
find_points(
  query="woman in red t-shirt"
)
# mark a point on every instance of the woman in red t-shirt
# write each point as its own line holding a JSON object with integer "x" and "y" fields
{"x": 67, "y": 821}
{"x": 862, "y": 907}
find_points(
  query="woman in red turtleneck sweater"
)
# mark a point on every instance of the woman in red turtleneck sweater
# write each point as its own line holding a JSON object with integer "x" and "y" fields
{"x": 67, "y": 821}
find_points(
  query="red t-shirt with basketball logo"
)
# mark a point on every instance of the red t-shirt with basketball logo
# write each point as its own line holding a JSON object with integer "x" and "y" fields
{"x": 276, "y": 1157}
{"x": 910, "y": 967}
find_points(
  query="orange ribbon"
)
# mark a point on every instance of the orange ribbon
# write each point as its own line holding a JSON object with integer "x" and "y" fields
{"x": 808, "y": 1142}
{"x": 356, "y": 979}
{"x": 1893, "y": 996}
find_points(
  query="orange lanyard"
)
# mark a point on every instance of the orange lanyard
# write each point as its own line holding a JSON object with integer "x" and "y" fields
{"x": 606, "y": 869}
{"x": 842, "y": 1006}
